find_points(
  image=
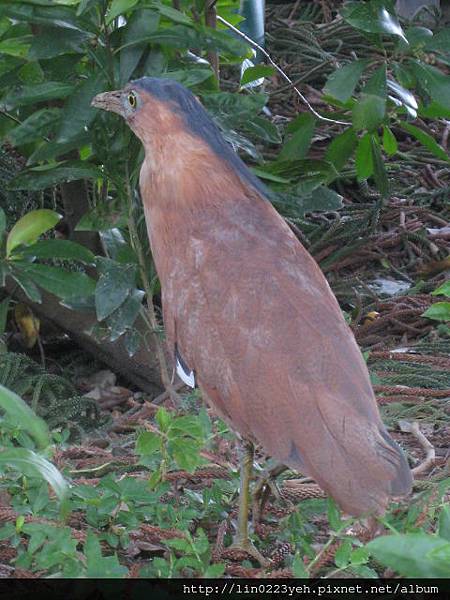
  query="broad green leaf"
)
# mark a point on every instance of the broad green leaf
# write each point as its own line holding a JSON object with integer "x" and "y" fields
{"x": 4, "y": 306}
{"x": 411, "y": 554}
{"x": 390, "y": 145}
{"x": 372, "y": 17}
{"x": 42, "y": 92}
{"x": 298, "y": 145}
{"x": 98, "y": 566}
{"x": 62, "y": 249}
{"x": 363, "y": 159}
{"x": 434, "y": 82}
{"x": 376, "y": 85}
{"x": 30, "y": 227}
{"x": 257, "y": 72}
{"x": 439, "y": 42}
{"x": 64, "y": 284}
{"x": 171, "y": 13}
{"x": 148, "y": 443}
{"x": 140, "y": 23}
{"x": 185, "y": 453}
{"x": 426, "y": 140}
{"x": 298, "y": 568}
{"x": 51, "y": 42}
{"x": 123, "y": 317}
{"x": 21, "y": 414}
{"x": 444, "y": 523}
{"x": 32, "y": 464}
{"x": 31, "y": 73}
{"x": 78, "y": 113}
{"x": 342, "y": 82}
{"x": 443, "y": 290}
{"x": 113, "y": 287}
{"x": 368, "y": 112}
{"x": 379, "y": 169}
{"x": 29, "y": 288}
{"x": 263, "y": 129}
{"x": 342, "y": 148}
{"x": 132, "y": 341}
{"x": 334, "y": 515}
{"x": 119, "y": 7}
{"x": 53, "y": 150}
{"x": 418, "y": 38}
{"x": 189, "y": 77}
{"x": 36, "y": 127}
{"x": 343, "y": 553}
{"x": 41, "y": 178}
{"x": 16, "y": 46}
{"x": 439, "y": 311}
{"x": 2, "y": 224}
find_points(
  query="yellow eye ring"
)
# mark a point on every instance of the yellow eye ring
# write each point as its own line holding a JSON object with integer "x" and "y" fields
{"x": 132, "y": 100}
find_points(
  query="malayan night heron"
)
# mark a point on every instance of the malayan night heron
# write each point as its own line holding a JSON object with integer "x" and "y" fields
{"x": 248, "y": 314}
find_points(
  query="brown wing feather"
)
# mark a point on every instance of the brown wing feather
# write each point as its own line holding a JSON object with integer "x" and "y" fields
{"x": 257, "y": 321}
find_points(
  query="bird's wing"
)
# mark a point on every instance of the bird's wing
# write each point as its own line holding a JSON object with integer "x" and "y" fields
{"x": 258, "y": 324}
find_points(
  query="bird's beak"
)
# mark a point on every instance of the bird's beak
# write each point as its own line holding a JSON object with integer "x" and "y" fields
{"x": 111, "y": 101}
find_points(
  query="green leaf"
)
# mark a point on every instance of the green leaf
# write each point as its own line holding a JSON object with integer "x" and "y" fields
{"x": 189, "y": 77}
{"x": 253, "y": 73}
{"x": 113, "y": 287}
{"x": 30, "y": 227}
{"x": 62, "y": 249}
{"x": 140, "y": 23}
{"x": 148, "y": 443}
{"x": 42, "y": 92}
{"x": 372, "y": 17}
{"x": 298, "y": 145}
{"x": 17, "y": 46}
{"x": 21, "y": 414}
{"x": 36, "y": 127}
{"x": 343, "y": 553}
{"x": 444, "y": 523}
{"x": 32, "y": 464}
{"x": 439, "y": 42}
{"x": 443, "y": 290}
{"x": 364, "y": 160}
{"x": 119, "y": 7}
{"x": 122, "y": 319}
{"x": 171, "y": 13}
{"x": 185, "y": 453}
{"x": 411, "y": 554}
{"x": 2, "y": 224}
{"x": 163, "y": 418}
{"x": 29, "y": 287}
{"x": 64, "y": 284}
{"x": 368, "y": 112}
{"x": 41, "y": 178}
{"x": 426, "y": 140}
{"x": 298, "y": 568}
{"x": 390, "y": 145}
{"x": 4, "y": 306}
{"x": 78, "y": 113}
{"x": 342, "y": 82}
{"x": 51, "y": 43}
{"x": 379, "y": 169}
{"x": 377, "y": 85}
{"x": 439, "y": 311}
{"x": 334, "y": 515}
{"x": 341, "y": 148}
{"x": 99, "y": 566}
{"x": 435, "y": 83}
{"x": 188, "y": 425}
{"x": 132, "y": 341}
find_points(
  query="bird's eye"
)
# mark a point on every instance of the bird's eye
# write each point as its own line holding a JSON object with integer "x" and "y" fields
{"x": 132, "y": 100}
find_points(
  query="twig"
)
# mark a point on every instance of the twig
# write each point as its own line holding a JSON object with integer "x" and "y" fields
{"x": 280, "y": 71}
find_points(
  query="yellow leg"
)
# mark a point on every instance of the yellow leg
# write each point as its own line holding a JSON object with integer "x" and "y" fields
{"x": 242, "y": 540}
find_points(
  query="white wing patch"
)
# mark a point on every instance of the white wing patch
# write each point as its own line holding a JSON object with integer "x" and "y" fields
{"x": 184, "y": 373}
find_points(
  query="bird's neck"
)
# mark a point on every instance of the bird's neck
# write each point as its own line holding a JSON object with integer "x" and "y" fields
{"x": 181, "y": 172}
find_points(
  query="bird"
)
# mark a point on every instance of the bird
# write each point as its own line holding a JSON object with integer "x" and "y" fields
{"x": 248, "y": 315}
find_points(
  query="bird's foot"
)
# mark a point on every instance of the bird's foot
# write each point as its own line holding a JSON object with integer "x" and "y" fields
{"x": 241, "y": 549}
{"x": 266, "y": 484}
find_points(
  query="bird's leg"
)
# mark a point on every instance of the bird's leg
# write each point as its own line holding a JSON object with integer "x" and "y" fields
{"x": 264, "y": 486}
{"x": 242, "y": 540}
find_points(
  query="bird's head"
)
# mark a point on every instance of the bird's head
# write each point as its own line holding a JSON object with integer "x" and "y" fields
{"x": 162, "y": 112}
{"x": 154, "y": 107}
